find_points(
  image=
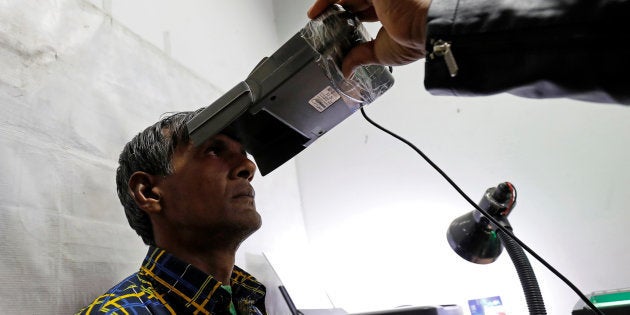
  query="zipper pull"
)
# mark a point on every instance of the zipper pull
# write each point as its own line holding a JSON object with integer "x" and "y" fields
{"x": 443, "y": 49}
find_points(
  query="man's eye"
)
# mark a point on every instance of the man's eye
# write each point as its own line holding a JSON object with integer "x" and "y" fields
{"x": 212, "y": 150}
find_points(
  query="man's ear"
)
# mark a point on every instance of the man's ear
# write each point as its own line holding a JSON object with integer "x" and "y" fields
{"x": 144, "y": 191}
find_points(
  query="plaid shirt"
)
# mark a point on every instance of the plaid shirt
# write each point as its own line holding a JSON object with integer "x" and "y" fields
{"x": 167, "y": 285}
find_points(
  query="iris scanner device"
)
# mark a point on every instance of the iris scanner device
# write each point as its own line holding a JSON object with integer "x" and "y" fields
{"x": 297, "y": 94}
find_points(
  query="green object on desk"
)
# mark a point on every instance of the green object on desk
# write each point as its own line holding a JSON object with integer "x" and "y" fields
{"x": 606, "y": 299}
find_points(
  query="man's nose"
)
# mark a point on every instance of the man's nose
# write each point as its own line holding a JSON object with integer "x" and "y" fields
{"x": 244, "y": 169}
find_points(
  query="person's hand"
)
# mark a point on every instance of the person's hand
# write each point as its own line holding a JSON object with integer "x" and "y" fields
{"x": 400, "y": 41}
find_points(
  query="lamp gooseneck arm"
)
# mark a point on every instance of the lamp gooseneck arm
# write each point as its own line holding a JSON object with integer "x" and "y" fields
{"x": 534, "y": 298}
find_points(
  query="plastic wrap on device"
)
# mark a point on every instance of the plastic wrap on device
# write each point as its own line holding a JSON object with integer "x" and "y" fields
{"x": 332, "y": 35}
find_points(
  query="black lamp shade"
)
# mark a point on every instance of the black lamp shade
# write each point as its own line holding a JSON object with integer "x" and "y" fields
{"x": 472, "y": 238}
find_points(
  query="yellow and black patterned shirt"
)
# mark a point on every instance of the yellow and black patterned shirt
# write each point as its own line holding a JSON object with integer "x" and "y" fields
{"x": 167, "y": 285}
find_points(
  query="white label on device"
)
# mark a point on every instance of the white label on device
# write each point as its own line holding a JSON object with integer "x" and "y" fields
{"x": 324, "y": 99}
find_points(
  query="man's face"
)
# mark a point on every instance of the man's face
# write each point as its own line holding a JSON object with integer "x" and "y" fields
{"x": 209, "y": 191}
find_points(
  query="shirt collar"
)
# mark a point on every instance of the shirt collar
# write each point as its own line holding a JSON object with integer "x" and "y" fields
{"x": 197, "y": 289}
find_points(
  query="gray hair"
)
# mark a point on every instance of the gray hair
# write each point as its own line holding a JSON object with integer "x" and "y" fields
{"x": 150, "y": 151}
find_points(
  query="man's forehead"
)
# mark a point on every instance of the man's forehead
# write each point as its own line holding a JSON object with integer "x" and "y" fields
{"x": 220, "y": 140}
{"x": 221, "y": 137}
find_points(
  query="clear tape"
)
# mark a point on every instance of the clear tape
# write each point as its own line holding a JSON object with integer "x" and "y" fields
{"x": 332, "y": 35}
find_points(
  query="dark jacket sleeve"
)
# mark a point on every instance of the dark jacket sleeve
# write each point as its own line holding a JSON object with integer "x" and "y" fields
{"x": 531, "y": 48}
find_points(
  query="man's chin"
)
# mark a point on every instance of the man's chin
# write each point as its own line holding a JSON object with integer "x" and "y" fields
{"x": 259, "y": 221}
{"x": 250, "y": 229}
{"x": 253, "y": 222}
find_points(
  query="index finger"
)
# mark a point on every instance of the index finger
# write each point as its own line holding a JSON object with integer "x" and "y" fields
{"x": 318, "y": 7}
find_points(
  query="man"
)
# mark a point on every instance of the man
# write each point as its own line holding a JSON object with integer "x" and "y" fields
{"x": 193, "y": 205}
{"x": 535, "y": 48}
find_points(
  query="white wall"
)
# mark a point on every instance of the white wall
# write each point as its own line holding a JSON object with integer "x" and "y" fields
{"x": 289, "y": 17}
{"x": 219, "y": 40}
{"x": 76, "y": 84}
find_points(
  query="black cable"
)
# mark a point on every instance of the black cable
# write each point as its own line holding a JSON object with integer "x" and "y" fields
{"x": 493, "y": 220}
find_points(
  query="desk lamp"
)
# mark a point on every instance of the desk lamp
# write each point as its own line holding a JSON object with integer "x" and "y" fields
{"x": 476, "y": 238}
{"x": 473, "y": 237}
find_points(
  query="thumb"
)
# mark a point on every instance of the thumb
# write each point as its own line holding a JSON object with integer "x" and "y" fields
{"x": 361, "y": 54}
